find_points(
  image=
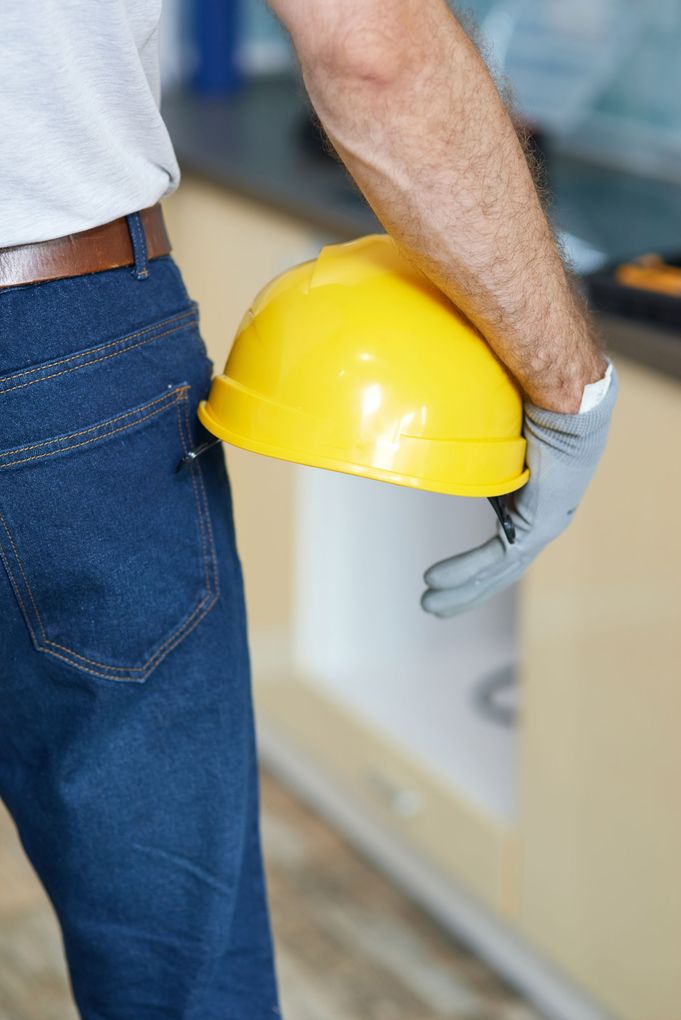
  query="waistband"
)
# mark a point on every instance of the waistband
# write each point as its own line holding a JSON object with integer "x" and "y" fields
{"x": 109, "y": 246}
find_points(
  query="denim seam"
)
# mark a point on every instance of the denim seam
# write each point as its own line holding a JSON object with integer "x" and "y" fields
{"x": 208, "y": 539}
{"x": 180, "y": 632}
{"x": 15, "y": 586}
{"x": 94, "y": 361}
{"x": 190, "y": 315}
{"x": 93, "y": 428}
{"x": 185, "y": 441}
{"x": 139, "y": 247}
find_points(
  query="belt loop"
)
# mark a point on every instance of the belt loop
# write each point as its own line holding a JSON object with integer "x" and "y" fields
{"x": 139, "y": 246}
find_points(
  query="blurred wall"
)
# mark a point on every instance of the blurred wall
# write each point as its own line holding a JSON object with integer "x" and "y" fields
{"x": 266, "y": 45}
{"x": 603, "y": 75}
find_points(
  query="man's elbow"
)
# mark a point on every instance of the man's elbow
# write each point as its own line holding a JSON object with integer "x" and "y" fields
{"x": 373, "y": 41}
{"x": 360, "y": 52}
{"x": 371, "y": 57}
{"x": 365, "y": 40}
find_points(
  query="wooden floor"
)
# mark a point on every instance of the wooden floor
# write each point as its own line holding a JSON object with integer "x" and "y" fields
{"x": 349, "y": 945}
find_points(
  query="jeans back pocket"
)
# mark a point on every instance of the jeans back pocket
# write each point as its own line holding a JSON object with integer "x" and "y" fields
{"x": 109, "y": 549}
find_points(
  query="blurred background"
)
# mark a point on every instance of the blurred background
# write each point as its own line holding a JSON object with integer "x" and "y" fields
{"x": 477, "y": 819}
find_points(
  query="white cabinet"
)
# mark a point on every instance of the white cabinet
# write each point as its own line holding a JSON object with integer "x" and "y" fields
{"x": 360, "y": 635}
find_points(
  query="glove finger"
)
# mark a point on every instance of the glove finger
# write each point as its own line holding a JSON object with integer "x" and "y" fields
{"x": 453, "y": 601}
{"x": 459, "y": 569}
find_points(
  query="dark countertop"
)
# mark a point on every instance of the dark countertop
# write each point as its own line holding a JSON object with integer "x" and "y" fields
{"x": 259, "y": 145}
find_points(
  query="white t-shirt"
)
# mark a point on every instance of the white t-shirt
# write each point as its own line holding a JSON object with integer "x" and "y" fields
{"x": 81, "y": 136}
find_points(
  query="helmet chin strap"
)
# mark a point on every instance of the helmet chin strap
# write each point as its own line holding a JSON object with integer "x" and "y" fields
{"x": 501, "y": 510}
{"x": 192, "y": 455}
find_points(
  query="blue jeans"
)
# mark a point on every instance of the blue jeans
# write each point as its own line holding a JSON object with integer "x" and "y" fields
{"x": 127, "y": 751}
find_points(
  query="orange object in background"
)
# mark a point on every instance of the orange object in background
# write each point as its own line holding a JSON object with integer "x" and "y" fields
{"x": 652, "y": 273}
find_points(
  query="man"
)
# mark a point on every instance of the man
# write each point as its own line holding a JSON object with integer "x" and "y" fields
{"x": 127, "y": 753}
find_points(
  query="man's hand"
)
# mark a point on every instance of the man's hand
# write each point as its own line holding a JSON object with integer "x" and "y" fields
{"x": 563, "y": 451}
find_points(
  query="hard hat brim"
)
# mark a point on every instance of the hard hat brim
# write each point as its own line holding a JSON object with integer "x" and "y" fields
{"x": 218, "y": 428}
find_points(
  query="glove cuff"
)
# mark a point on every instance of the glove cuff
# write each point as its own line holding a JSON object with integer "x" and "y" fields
{"x": 579, "y": 425}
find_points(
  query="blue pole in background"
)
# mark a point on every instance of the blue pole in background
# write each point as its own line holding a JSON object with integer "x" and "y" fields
{"x": 216, "y": 26}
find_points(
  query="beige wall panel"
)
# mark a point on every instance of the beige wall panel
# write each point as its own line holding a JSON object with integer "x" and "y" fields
{"x": 601, "y": 810}
{"x": 433, "y": 818}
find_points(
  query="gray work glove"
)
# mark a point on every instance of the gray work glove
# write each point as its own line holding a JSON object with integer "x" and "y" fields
{"x": 563, "y": 451}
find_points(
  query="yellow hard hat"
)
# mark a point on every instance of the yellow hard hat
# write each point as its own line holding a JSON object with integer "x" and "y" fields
{"x": 356, "y": 362}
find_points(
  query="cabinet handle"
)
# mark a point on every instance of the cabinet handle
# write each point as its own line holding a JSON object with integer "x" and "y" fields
{"x": 495, "y": 697}
{"x": 400, "y": 799}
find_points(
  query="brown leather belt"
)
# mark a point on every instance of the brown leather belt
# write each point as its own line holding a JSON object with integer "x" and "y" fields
{"x": 89, "y": 251}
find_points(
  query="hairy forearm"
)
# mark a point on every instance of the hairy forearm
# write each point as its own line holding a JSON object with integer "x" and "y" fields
{"x": 413, "y": 112}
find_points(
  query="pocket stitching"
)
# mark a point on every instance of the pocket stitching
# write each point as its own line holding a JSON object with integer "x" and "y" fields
{"x": 189, "y": 314}
{"x": 95, "y": 361}
{"x": 172, "y": 640}
{"x": 183, "y": 628}
{"x": 170, "y": 399}
{"x": 177, "y": 635}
